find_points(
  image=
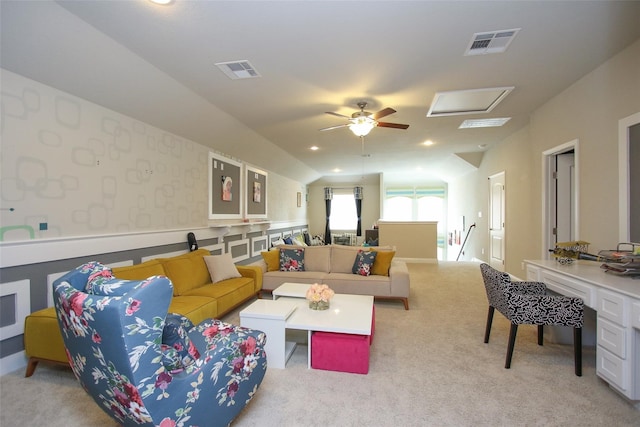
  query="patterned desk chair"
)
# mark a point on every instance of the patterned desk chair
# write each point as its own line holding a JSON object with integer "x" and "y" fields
{"x": 526, "y": 303}
{"x": 145, "y": 367}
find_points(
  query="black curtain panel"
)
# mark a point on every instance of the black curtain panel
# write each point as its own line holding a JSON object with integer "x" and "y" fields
{"x": 327, "y": 230}
{"x": 359, "y": 213}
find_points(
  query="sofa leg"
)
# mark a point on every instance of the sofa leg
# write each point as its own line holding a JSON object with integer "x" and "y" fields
{"x": 406, "y": 303}
{"x": 33, "y": 363}
{"x": 31, "y": 367}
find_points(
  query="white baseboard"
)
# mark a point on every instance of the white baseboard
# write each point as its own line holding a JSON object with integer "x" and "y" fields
{"x": 13, "y": 362}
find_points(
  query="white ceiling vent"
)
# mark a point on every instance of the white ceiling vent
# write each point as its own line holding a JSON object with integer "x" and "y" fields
{"x": 484, "y": 123}
{"x": 491, "y": 42}
{"x": 238, "y": 69}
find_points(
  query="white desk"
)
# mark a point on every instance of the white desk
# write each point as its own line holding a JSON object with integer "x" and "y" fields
{"x": 616, "y": 301}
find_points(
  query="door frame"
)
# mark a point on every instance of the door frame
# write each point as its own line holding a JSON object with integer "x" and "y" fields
{"x": 623, "y": 178}
{"x": 503, "y": 214}
{"x": 548, "y": 203}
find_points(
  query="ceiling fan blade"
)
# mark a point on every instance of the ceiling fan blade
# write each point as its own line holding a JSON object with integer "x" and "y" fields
{"x": 392, "y": 125}
{"x": 382, "y": 113}
{"x": 335, "y": 127}
{"x": 338, "y": 115}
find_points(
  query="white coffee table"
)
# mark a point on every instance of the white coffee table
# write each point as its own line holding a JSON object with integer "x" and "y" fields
{"x": 347, "y": 314}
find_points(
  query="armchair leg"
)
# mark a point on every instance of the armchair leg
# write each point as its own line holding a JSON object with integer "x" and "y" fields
{"x": 540, "y": 334}
{"x": 577, "y": 349}
{"x": 512, "y": 341}
{"x": 487, "y": 331}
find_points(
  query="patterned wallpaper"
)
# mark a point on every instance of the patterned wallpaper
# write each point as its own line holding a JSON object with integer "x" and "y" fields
{"x": 74, "y": 168}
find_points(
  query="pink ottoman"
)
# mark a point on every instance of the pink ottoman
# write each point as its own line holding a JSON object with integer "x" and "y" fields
{"x": 342, "y": 352}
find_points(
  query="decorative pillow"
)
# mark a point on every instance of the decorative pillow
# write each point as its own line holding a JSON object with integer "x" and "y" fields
{"x": 382, "y": 263}
{"x": 178, "y": 350}
{"x": 221, "y": 267}
{"x": 292, "y": 260}
{"x": 299, "y": 240}
{"x": 363, "y": 263}
{"x": 288, "y": 241}
{"x": 277, "y": 243}
{"x": 307, "y": 238}
{"x": 272, "y": 258}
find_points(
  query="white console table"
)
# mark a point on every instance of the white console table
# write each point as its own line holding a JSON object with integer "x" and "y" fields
{"x": 616, "y": 301}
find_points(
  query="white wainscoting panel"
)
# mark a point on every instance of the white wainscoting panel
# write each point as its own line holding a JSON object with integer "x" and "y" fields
{"x": 217, "y": 249}
{"x": 21, "y": 292}
{"x": 239, "y": 243}
{"x": 259, "y": 244}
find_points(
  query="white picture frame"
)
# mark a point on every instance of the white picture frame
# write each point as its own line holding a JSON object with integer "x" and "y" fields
{"x": 226, "y": 187}
{"x": 256, "y": 204}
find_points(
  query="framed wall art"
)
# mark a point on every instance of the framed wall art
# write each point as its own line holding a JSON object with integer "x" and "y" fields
{"x": 256, "y": 193}
{"x": 226, "y": 187}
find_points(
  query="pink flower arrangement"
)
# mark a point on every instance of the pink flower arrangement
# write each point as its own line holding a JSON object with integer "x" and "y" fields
{"x": 317, "y": 292}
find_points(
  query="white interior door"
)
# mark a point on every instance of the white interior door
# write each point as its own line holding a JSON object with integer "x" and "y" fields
{"x": 497, "y": 220}
{"x": 560, "y": 195}
{"x": 565, "y": 197}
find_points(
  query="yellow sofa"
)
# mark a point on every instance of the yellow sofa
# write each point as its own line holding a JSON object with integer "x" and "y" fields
{"x": 194, "y": 296}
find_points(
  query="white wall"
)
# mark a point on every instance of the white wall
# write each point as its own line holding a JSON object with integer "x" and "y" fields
{"x": 589, "y": 111}
{"x": 86, "y": 170}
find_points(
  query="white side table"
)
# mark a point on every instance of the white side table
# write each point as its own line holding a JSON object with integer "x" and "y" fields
{"x": 270, "y": 317}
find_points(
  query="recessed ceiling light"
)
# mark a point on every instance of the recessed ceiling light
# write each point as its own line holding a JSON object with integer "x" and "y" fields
{"x": 428, "y": 143}
{"x": 314, "y": 148}
{"x": 336, "y": 170}
{"x": 162, "y": 2}
{"x": 483, "y": 123}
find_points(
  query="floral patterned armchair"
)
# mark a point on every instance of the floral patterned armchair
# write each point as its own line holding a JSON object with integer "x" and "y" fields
{"x": 145, "y": 367}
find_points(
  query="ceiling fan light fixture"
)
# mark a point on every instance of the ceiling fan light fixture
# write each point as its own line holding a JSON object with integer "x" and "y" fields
{"x": 362, "y": 126}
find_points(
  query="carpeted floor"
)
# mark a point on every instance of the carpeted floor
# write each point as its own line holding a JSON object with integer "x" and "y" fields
{"x": 429, "y": 367}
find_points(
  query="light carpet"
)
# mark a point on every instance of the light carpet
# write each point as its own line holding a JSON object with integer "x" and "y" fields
{"x": 429, "y": 367}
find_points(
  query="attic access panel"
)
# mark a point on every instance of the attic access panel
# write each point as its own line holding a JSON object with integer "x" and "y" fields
{"x": 472, "y": 101}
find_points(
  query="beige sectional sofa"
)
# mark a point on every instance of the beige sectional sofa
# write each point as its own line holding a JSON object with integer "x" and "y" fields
{"x": 332, "y": 265}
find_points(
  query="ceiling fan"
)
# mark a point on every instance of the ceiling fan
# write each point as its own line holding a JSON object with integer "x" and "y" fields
{"x": 361, "y": 122}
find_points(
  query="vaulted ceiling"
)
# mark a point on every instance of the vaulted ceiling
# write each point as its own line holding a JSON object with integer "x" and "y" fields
{"x": 315, "y": 57}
